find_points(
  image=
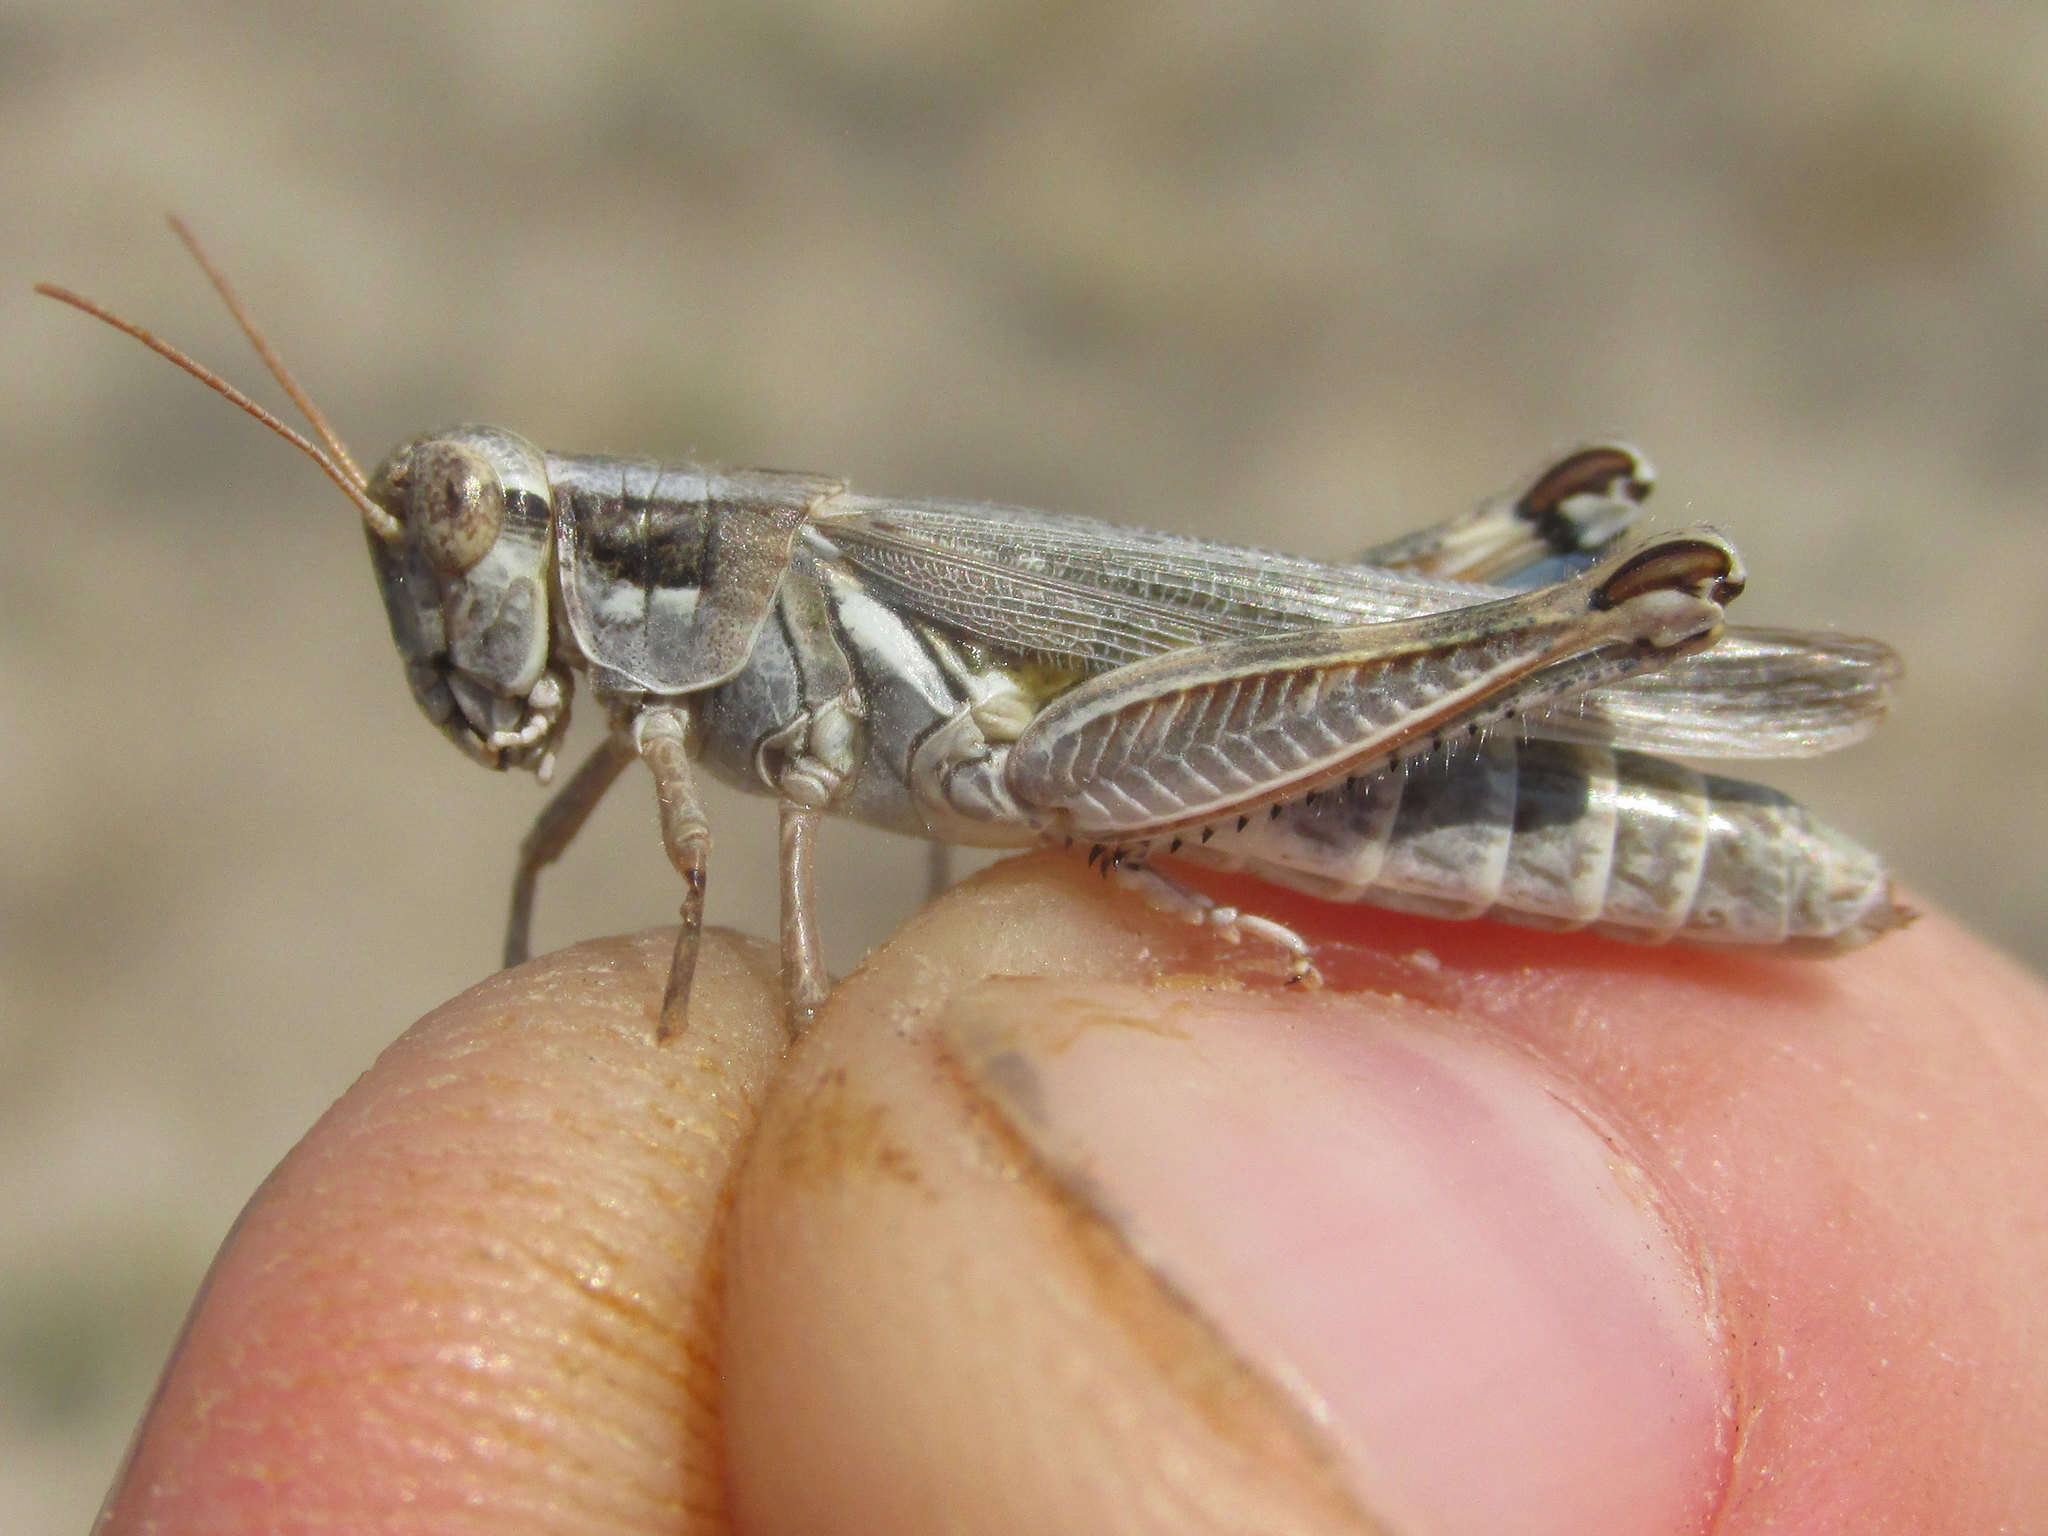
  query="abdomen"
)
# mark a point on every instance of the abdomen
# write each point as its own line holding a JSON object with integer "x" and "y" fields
{"x": 1555, "y": 835}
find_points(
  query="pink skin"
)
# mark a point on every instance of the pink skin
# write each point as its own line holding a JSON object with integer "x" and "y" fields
{"x": 1523, "y": 1232}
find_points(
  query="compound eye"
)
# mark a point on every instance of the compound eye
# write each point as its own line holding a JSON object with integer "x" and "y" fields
{"x": 457, "y": 504}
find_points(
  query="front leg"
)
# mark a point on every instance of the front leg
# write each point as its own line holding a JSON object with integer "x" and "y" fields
{"x": 661, "y": 736}
{"x": 556, "y": 827}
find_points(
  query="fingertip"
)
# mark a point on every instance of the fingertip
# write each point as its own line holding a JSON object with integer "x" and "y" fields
{"x": 484, "y": 1289}
{"x": 927, "y": 1331}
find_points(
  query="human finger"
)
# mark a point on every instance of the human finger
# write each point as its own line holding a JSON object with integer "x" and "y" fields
{"x": 1056, "y": 1222}
{"x": 484, "y": 1292}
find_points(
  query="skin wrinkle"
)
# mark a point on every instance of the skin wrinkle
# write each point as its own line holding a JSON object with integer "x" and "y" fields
{"x": 447, "y": 1393}
{"x": 1231, "y": 1397}
{"x": 837, "y": 1136}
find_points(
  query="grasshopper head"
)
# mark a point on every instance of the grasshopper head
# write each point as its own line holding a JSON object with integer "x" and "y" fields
{"x": 463, "y": 568}
{"x": 459, "y": 533}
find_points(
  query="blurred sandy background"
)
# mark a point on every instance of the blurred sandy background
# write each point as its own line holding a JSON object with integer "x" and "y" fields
{"x": 1298, "y": 275}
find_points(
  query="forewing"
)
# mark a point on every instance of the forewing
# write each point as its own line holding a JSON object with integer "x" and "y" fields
{"x": 1091, "y": 596}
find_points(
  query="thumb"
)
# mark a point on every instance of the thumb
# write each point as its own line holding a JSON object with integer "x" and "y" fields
{"x": 1048, "y": 1227}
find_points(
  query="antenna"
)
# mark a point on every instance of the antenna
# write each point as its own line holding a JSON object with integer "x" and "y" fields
{"x": 335, "y": 463}
{"x": 264, "y": 350}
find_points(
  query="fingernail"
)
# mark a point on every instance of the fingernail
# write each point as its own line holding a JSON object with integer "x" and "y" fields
{"x": 1456, "y": 1276}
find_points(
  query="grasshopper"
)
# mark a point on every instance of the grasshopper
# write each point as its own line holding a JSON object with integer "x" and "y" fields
{"x": 1461, "y": 723}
